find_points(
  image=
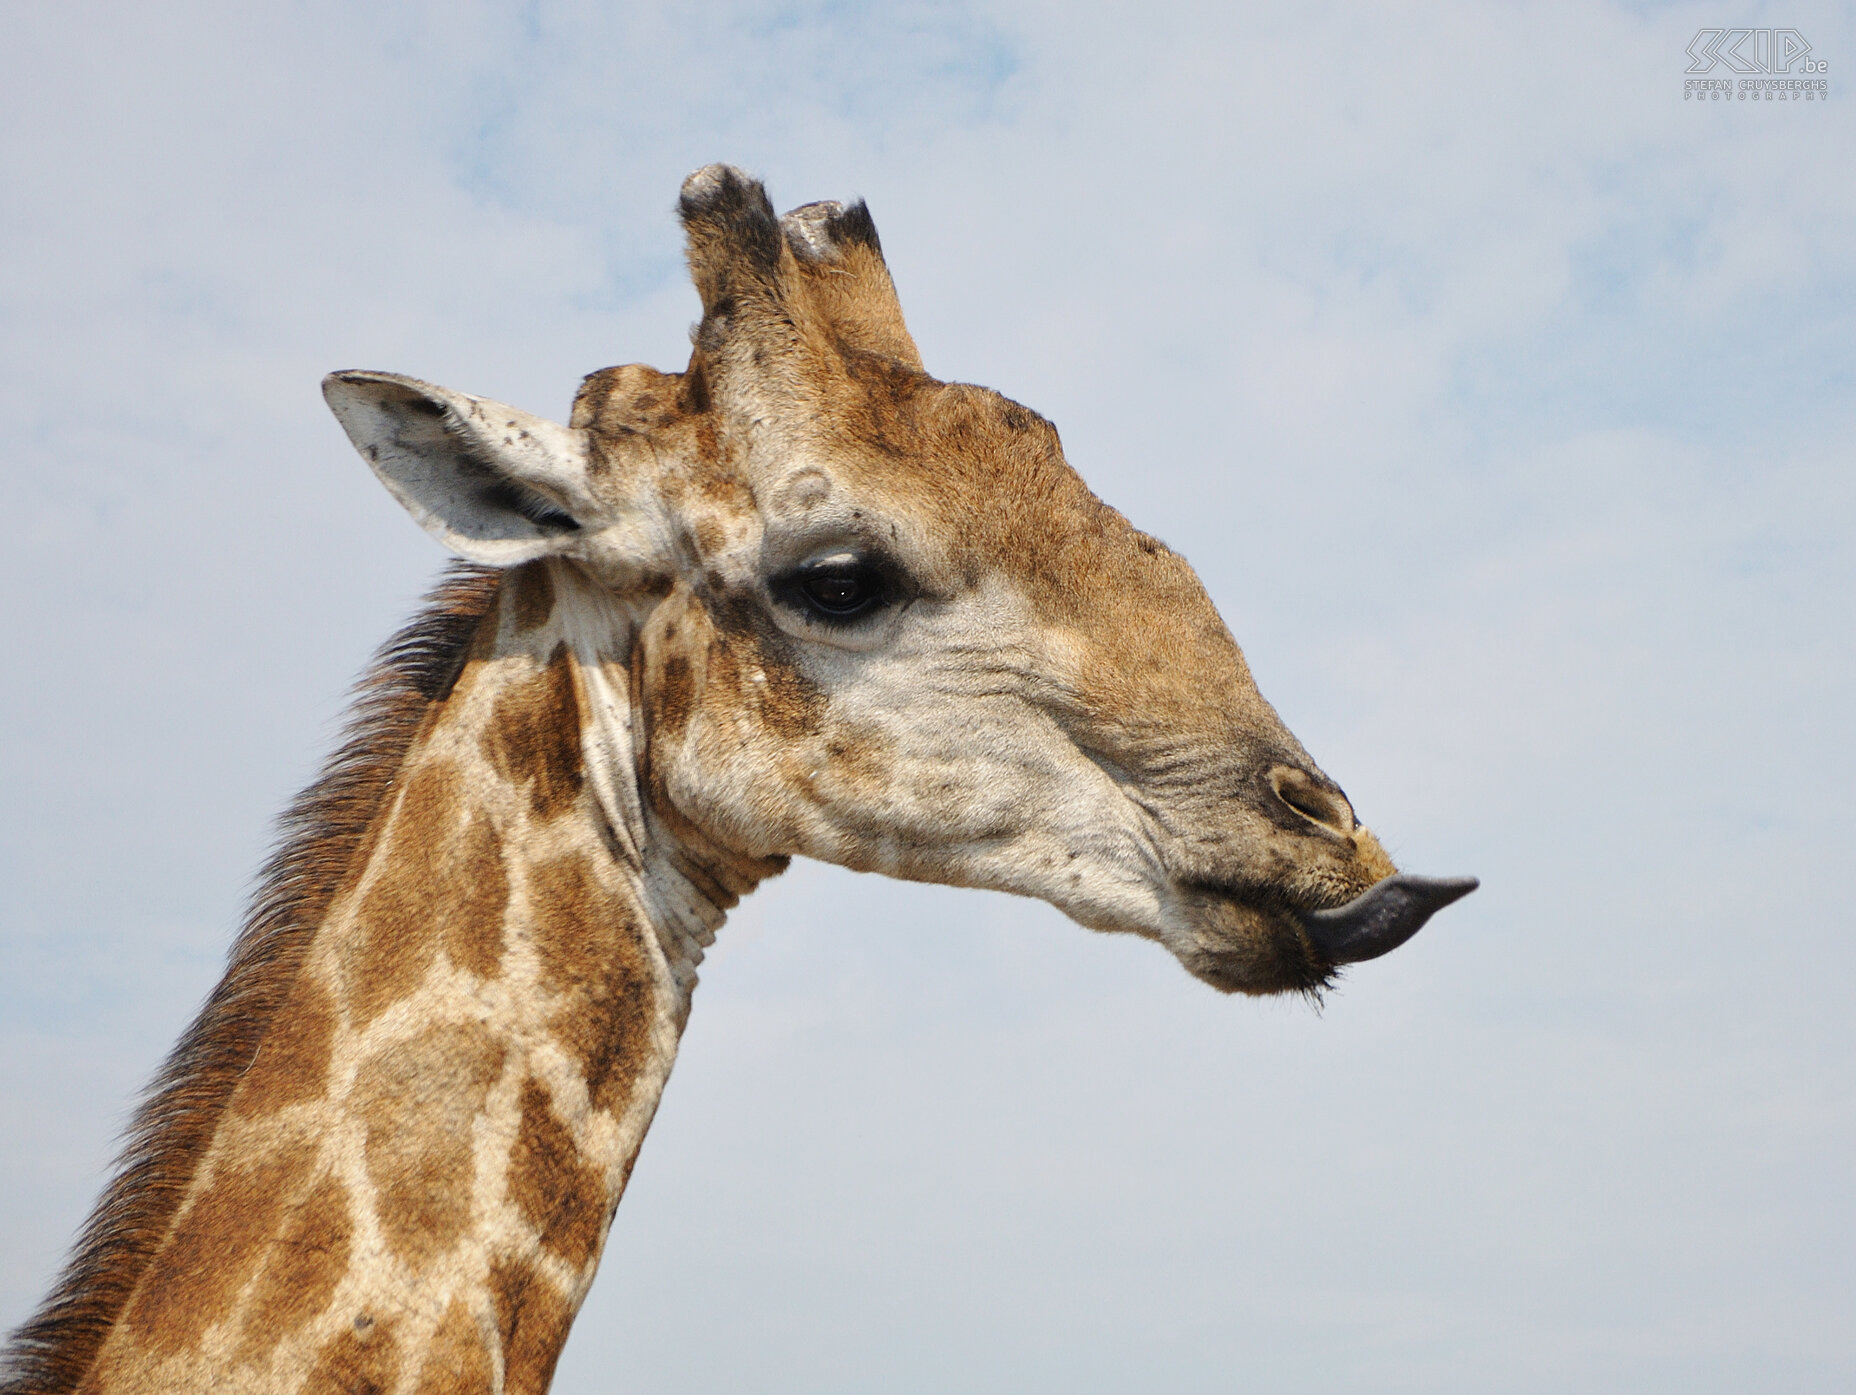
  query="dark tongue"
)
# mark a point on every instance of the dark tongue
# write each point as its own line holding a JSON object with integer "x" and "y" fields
{"x": 1382, "y": 918}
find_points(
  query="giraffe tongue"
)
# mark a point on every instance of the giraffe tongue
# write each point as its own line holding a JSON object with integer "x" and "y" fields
{"x": 1383, "y": 917}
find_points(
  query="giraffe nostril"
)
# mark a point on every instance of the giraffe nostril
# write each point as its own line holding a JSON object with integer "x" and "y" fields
{"x": 1315, "y": 801}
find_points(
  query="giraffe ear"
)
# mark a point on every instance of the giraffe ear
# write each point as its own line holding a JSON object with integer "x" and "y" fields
{"x": 492, "y": 483}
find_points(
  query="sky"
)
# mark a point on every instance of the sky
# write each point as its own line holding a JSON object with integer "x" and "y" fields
{"x": 1502, "y": 397}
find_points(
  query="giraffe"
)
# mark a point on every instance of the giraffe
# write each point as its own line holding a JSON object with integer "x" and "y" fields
{"x": 799, "y": 599}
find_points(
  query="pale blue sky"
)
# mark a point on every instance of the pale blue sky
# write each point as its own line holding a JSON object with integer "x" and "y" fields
{"x": 1503, "y": 399}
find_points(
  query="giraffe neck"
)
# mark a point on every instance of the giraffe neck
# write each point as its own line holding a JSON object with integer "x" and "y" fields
{"x": 409, "y": 1187}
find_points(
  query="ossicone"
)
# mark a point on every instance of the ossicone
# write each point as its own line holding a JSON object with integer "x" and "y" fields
{"x": 733, "y": 234}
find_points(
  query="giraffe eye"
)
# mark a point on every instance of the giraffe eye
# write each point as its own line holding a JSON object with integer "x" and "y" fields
{"x": 837, "y": 593}
{"x": 837, "y": 588}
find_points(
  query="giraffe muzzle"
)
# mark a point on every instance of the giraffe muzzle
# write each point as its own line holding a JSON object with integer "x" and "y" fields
{"x": 1383, "y": 917}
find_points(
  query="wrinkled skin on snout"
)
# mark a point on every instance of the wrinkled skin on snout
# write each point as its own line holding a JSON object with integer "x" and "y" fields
{"x": 874, "y": 618}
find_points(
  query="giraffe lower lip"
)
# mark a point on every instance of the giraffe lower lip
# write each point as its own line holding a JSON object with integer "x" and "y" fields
{"x": 1383, "y": 917}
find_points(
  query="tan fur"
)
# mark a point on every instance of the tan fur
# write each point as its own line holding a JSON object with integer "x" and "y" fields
{"x": 534, "y": 1320}
{"x": 533, "y": 598}
{"x": 533, "y": 738}
{"x": 324, "y": 834}
{"x": 416, "y": 1103}
{"x": 356, "y": 1362}
{"x": 218, "y": 1244}
{"x": 386, "y": 1157}
{"x": 552, "y": 1185}
{"x": 455, "y": 1359}
{"x": 313, "y": 1252}
{"x": 453, "y": 1093}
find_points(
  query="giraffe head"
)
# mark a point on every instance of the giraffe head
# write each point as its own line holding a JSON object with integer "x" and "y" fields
{"x": 875, "y": 618}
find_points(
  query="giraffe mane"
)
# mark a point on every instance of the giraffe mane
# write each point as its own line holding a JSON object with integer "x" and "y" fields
{"x": 319, "y": 837}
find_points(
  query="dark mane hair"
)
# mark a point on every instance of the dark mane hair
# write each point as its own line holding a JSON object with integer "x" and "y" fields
{"x": 318, "y": 838}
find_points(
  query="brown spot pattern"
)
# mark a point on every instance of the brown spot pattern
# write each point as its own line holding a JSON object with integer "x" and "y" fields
{"x": 473, "y": 924}
{"x": 214, "y": 1251}
{"x": 418, "y": 1100}
{"x": 356, "y": 1363}
{"x": 674, "y": 696}
{"x": 327, "y": 833}
{"x": 711, "y": 536}
{"x": 532, "y": 596}
{"x": 790, "y": 703}
{"x": 307, "y": 1262}
{"x": 456, "y": 1361}
{"x": 858, "y": 767}
{"x": 739, "y": 641}
{"x": 439, "y": 884}
{"x": 633, "y": 397}
{"x": 534, "y": 1320}
{"x": 589, "y": 948}
{"x": 293, "y": 1063}
{"x": 533, "y": 738}
{"x": 552, "y": 1185}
